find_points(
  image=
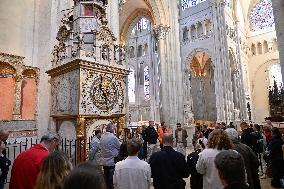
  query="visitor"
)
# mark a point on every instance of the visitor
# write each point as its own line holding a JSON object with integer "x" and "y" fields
{"x": 143, "y": 151}
{"x": 259, "y": 144}
{"x": 250, "y": 159}
{"x": 276, "y": 157}
{"x": 110, "y": 147}
{"x": 180, "y": 137}
{"x": 231, "y": 170}
{"x": 202, "y": 140}
{"x": 223, "y": 125}
{"x": 132, "y": 173}
{"x": 4, "y": 135}
{"x": 53, "y": 171}
{"x": 247, "y": 136}
{"x": 4, "y": 165}
{"x": 86, "y": 176}
{"x": 205, "y": 131}
{"x": 196, "y": 180}
{"x": 161, "y": 131}
{"x": 95, "y": 153}
{"x": 267, "y": 133}
{"x": 27, "y": 165}
{"x": 122, "y": 154}
{"x": 151, "y": 137}
{"x": 218, "y": 141}
{"x": 168, "y": 166}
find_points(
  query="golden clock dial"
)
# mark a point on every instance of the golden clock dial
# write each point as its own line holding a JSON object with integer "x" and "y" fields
{"x": 104, "y": 93}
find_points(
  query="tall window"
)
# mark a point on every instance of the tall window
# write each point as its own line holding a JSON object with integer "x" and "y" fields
{"x": 229, "y": 3}
{"x": 146, "y": 83}
{"x": 142, "y": 24}
{"x": 190, "y": 3}
{"x": 275, "y": 75}
{"x": 131, "y": 86}
{"x": 261, "y": 16}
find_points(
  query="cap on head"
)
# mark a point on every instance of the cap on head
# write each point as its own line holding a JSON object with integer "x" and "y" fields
{"x": 50, "y": 135}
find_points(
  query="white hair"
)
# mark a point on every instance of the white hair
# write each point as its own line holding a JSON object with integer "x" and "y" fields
{"x": 233, "y": 134}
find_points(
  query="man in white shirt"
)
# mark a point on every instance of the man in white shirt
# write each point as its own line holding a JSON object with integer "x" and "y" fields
{"x": 132, "y": 173}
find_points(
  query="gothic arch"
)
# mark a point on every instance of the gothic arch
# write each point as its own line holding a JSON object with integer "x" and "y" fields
{"x": 156, "y": 12}
{"x": 138, "y": 13}
{"x": 191, "y": 55}
{"x": 199, "y": 75}
{"x": 259, "y": 85}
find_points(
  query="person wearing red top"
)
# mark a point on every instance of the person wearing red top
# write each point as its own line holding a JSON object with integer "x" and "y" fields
{"x": 27, "y": 165}
{"x": 161, "y": 131}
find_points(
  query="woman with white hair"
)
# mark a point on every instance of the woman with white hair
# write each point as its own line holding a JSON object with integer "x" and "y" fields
{"x": 251, "y": 160}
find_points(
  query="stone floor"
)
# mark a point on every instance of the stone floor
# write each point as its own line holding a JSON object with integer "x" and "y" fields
{"x": 265, "y": 184}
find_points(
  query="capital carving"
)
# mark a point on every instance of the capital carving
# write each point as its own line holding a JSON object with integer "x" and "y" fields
{"x": 161, "y": 31}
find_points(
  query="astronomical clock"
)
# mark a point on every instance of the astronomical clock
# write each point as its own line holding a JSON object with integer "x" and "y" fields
{"x": 88, "y": 75}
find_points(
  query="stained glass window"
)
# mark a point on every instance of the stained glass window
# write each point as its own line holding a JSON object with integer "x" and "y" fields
{"x": 275, "y": 75}
{"x": 146, "y": 83}
{"x": 190, "y": 3}
{"x": 131, "y": 86}
{"x": 262, "y": 16}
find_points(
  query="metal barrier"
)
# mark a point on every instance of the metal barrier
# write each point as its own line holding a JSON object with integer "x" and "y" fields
{"x": 13, "y": 149}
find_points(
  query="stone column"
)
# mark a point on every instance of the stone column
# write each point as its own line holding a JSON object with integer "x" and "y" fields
{"x": 190, "y": 132}
{"x": 81, "y": 142}
{"x": 278, "y": 7}
{"x": 220, "y": 60}
{"x": 18, "y": 99}
{"x": 160, "y": 33}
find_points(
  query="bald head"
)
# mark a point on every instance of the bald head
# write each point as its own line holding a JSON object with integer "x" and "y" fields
{"x": 168, "y": 139}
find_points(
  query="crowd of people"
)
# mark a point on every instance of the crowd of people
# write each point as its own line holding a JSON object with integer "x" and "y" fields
{"x": 222, "y": 158}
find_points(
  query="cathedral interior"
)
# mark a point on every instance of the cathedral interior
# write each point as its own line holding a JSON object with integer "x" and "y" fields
{"x": 74, "y": 65}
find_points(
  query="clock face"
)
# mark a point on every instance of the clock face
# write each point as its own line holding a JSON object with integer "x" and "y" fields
{"x": 104, "y": 93}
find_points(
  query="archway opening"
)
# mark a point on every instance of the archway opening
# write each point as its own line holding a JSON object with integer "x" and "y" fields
{"x": 203, "y": 87}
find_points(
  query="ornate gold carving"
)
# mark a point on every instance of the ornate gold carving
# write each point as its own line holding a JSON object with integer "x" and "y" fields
{"x": 105, "y": 35}
{"x": 6, "y": 69}
{"x": 29, "y": 73}
{"x": 78, "y": 63}
{"x": 81, "y": 139}
{"x": 18, "y": 78}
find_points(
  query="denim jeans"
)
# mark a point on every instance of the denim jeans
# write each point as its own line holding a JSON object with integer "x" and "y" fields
{"x": 2, "y": 182}
{"x": 108, "y": 172}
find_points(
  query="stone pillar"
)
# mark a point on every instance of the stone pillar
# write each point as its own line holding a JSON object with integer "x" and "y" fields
{"x": 204, "y": 28}
{"x": 278, "y": 7}
{"x": 81, "y": 142}
{"x": 18, "y": 95}
{"x": 190, "y": 132}
{"x": 220, "y": 59}
{"x": 160, "y": 33}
